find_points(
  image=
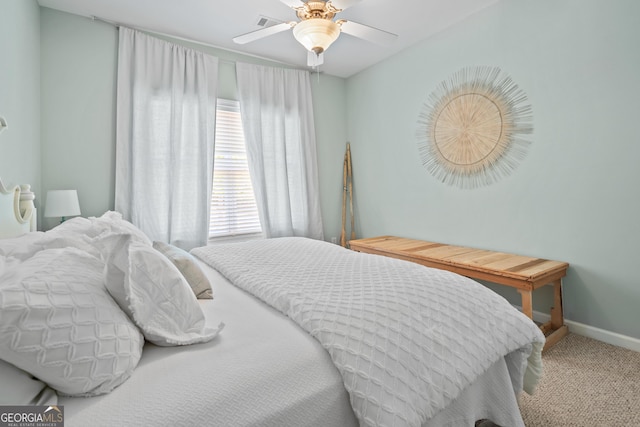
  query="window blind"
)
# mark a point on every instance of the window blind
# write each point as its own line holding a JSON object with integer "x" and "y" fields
{"x": 233, "y": 206}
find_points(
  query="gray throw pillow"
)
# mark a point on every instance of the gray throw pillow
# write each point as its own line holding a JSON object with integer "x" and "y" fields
{"x": 187, "y": 265}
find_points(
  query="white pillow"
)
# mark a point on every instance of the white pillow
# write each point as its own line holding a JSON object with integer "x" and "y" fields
{"x": 151, "y": 290}
{"x": 74, "y": 226}
{"x": 63, "y": 240}
{"x": 59, "y": 323}
{"x": 21, "y": 247}
{"x": 7, "y": 263}
{"x": 33, "y": 243}
{"x": 111, "y": 222}
{"x": 71, "y": 233}
{"x": 21, "y": 388}
{"x": 12, "y": 243}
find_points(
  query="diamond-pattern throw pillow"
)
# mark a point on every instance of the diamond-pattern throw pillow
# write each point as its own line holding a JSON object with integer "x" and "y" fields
{"x": 59, "y": 323}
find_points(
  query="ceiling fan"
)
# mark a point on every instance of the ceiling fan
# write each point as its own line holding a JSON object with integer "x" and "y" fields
{"x": 316, "y": 29}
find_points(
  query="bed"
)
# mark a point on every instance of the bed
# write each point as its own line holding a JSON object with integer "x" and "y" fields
{"x": 282, "y": 332}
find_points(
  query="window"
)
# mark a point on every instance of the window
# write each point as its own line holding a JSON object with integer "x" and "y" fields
{"x": 233, "y": 206}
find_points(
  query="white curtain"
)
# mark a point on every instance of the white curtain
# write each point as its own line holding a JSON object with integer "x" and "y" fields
{"x": 166, "y": 109}
{"x": 277, "y": 116}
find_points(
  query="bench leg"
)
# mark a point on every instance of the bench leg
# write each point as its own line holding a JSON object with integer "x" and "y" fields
{"x": 557, "y": 318}
{"x": 527, "y": 304}
{"x": 556, "y": 327}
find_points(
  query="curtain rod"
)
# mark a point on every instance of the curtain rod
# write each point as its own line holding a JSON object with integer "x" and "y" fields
{"x": 228, "y": 61}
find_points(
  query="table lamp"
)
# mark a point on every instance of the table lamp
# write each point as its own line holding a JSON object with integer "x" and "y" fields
{"x": 62, "y": 203}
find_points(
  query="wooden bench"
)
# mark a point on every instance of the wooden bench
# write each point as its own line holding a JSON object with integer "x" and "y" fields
{"x": 526, "y": 274}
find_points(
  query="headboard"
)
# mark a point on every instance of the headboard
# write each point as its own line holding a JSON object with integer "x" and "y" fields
{"x": 17, "y": 211}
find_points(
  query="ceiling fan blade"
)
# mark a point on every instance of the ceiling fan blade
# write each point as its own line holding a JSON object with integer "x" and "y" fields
{"x": 338, "y": 4}
{"x": 366, "y": 32}
{"x": 292, "y": 3}
{"x": 314, "y": 60}
{"x": 343, "y": 4}
{"x": 263, "y": 32}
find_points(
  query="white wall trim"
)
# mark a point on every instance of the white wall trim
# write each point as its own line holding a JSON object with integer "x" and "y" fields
{"x": 603, "y": 335}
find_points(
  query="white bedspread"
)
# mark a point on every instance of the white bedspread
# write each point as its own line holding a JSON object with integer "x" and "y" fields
{"x": 406, "y": 339}
{"x": 261, "y": 371}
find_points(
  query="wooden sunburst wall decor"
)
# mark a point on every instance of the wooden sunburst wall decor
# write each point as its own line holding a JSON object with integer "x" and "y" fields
{"x": 470, "y": 129}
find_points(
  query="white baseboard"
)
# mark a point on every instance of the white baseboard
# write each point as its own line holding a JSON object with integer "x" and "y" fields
{"x": 603, "y": 335}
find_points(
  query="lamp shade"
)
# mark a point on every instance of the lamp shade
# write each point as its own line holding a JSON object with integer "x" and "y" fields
{"x": 316, "y": 34}
{"x": 61, "y": 203}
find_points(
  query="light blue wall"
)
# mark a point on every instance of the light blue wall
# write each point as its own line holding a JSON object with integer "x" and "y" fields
{"x": 330, "y": 109}
{"x": 575, "y": 196}
{"x": 20, "y": 93}
{"x": 79, "y": 58}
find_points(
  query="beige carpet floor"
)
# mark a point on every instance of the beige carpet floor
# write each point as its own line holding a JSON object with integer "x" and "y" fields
{"x": 585, "y": 383}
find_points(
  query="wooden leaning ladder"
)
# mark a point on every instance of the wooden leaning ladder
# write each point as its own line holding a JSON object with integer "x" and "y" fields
{"x": 347, "y": 186}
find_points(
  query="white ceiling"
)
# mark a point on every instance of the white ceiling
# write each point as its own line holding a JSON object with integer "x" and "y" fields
{"x": 216, "y": 22}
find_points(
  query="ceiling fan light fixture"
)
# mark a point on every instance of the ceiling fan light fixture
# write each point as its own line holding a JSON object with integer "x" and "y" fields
{"x": 316, "y": 34}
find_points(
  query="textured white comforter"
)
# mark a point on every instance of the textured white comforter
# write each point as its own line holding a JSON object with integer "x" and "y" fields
{"x": 406, "y": 339}
{"x": 262, "y": 371}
